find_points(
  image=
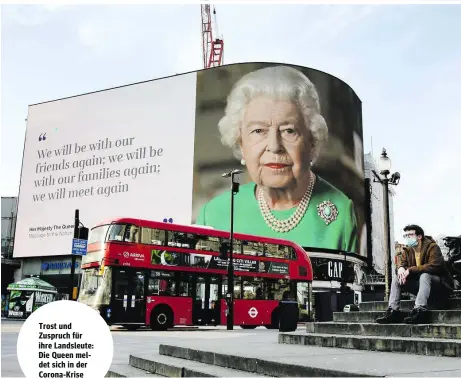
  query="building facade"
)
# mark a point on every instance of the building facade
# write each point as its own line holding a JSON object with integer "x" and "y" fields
{"x": 11, "y": 271}
{"x": 52, "y": 269}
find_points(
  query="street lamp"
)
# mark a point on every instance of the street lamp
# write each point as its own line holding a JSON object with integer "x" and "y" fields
{"x": 230, "y": 268}
{"x": 385, "y": 170}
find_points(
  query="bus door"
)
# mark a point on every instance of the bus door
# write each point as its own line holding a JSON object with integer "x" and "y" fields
{"x": 206, "y": 299}
{"x": 214, "y": 312}
{"x": 128, "y": 305}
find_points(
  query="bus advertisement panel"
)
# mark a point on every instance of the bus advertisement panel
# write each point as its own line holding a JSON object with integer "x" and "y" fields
{"x": 157, "y": 150}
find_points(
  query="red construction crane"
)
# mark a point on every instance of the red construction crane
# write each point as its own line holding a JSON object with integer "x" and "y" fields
{"x": 213, "y": 49}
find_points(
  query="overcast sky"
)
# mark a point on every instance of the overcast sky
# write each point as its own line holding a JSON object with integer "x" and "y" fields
{"x": 404, "y": 62}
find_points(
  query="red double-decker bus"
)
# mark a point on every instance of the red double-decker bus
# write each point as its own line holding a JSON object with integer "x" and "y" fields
{"x": 139, "y": 272}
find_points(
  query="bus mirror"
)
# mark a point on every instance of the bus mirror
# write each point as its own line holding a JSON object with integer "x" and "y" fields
{"x": 235, "y": 187}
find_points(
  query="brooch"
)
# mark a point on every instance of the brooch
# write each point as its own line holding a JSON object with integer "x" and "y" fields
{"x": 327, "y": 211}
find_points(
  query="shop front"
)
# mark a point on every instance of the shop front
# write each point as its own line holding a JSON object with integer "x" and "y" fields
{"x": 337, "y": 282}
{"x": 28, "y": 295}
{"x": 54, "y": 270}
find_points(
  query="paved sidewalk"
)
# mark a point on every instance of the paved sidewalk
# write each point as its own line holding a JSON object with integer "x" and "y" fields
{"x": 257, "y": 343}
{"x": 262, "y": 344}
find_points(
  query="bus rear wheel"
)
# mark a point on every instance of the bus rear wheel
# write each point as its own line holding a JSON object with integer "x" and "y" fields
{"x": 248, "y": 326}
{"x": 161, "y": 318}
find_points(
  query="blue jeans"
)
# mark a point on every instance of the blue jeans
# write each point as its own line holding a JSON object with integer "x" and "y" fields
{"x": 420, "y": 286}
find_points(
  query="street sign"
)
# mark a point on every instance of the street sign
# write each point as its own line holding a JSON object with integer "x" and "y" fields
{"x": 79, "y": 246}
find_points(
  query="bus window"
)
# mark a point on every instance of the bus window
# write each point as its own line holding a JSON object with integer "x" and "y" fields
{"x": 184, "y": 287}
{"x": 253, "y": 248}
{"x": 280, "y": 251}
{"x": 116, "y": 232}
{"x": 191, "y": 240}
{"x": 253, "y": 288}
{"x": 208, "y": 243}
{"x": 280, "y": 289}
{"x": 153, "y": 236}
{"x": 291, "y": 253}
{"x": 152, "y": 287}
{"x": 176, "y": 239}
{"x": 181, "y": 240}
{"x": 131, "y": 234}
{"x": 237, "y": 247}
{"x": 98, "y": 234}
{"x": 272, "y": 250}
{"x": 161, "y": 283}
{"x": 167, "y": 287}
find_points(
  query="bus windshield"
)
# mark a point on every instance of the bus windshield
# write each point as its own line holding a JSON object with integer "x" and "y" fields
{"x": 95, "y": 288}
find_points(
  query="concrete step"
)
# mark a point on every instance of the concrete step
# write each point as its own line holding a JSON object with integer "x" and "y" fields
{"x": 251, "y": 366}
{"x": 128, "y": 371}
{"x": 407, "y": 305}
{"x": 413, "y": 345}
{"x": 440, "y": 331}
{"x": 436, "y": 316}
{"x": 174, "y": 367}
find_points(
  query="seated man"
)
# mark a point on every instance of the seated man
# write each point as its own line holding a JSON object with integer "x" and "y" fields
{"x": 421, "y": 270}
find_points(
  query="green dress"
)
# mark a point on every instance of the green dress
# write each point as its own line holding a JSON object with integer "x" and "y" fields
{"x": 312, "y": 231}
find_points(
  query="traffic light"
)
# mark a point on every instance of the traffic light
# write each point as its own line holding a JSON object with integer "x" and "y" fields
{"x": 83, "y": 233}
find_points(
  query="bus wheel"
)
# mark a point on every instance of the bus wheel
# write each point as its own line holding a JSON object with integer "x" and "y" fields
{"x": 161, "y": 318}
{"x": 248, "y": 326}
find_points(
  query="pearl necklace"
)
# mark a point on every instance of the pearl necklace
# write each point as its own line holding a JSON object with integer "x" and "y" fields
{"x": 290, "y": 223}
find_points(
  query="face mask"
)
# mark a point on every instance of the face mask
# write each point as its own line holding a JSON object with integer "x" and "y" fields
{"x": 412, "y": 242}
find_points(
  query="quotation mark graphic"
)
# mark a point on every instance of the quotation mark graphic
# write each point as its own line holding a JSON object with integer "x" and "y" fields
{"x": 42, "y": 137}
{"x": 168, "y": 220}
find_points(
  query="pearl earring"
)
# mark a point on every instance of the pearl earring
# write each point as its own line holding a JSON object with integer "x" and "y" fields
{"x": 242, "y": 161}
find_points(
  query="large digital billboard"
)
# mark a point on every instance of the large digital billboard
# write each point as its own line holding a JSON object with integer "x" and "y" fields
{"x": 158, "y": 149}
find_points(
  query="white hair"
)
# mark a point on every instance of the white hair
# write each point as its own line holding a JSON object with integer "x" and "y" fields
{"x": 278, "y": 82}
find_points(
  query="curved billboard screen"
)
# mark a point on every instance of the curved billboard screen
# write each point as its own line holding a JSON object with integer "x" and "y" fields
{"x": 158, "y": 150}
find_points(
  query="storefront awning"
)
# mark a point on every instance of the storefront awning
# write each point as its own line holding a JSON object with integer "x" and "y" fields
{"x": 32, "y": 284}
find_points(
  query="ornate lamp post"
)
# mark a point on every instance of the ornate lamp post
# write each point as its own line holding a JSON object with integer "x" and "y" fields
{"x": 385, "y": 170}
